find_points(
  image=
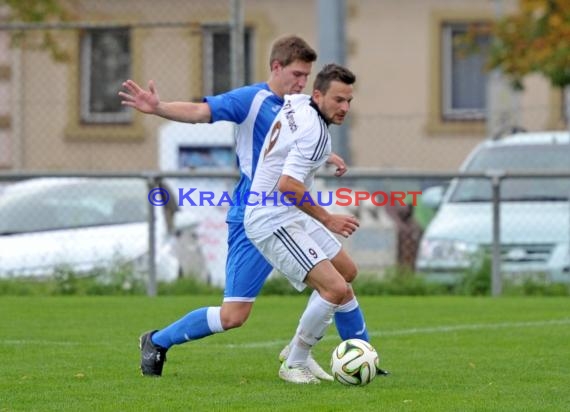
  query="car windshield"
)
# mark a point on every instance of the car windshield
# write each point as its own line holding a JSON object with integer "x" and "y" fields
{"x": 49, "y": 204}
{"x": 516, "y": 158}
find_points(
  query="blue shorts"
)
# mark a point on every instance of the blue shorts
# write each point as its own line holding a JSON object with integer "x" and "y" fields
{"x": 246, "y": 268}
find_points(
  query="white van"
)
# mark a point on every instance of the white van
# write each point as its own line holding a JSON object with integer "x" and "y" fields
{"x": 535, "y": 213}
{"x": 183, "y": 146}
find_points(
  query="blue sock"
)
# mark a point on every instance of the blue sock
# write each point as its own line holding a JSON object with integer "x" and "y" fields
{"x": 195, "y": 325}
{"x": 349, "y": 321}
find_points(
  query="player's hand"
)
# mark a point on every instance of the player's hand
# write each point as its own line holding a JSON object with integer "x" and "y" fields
{"x": 344, "y": 225}
{"x": 338, "y": 162}
{"x": 136, "y": 97}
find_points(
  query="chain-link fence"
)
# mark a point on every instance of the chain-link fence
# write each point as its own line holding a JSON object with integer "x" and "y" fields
{"x": 60, "y": 115}
{"x": 60, "y": 111}
{"x": 59, "y": 108}
{"x": 162, "y": 226}
{"x": 59, "y": 104}
{"x": 396, "y": 145}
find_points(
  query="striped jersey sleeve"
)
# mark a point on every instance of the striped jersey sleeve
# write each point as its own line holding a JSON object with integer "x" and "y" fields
{"x": 310, "y": 149}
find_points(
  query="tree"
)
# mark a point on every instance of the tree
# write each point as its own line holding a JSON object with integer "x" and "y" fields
{"x": 38, "y": 11}
{"x": 534, "y": 40}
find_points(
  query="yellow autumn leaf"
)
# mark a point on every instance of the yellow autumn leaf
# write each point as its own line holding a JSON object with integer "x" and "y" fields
{"x": 555, "y": 20}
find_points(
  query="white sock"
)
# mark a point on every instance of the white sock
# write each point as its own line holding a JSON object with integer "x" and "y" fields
{"x": 311, "y": 298}
{"x": 299, "y": 352}
{"x": 348, "y": 306}
{"x": 214, "y": 318}
{"x": 312, "y": 327}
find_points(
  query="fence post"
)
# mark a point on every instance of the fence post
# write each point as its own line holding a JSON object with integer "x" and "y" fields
{"x": 496, "y": 276}
{"x": 151, "y": 289}
{"x": 237, "y": 44}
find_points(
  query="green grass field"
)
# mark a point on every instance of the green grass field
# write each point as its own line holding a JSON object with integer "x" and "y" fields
{"x": 445, "y": 354}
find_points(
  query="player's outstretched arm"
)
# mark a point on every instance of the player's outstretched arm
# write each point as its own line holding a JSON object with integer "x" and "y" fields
{"x": 296, "y": 192}
{"x": 148, "y": 101}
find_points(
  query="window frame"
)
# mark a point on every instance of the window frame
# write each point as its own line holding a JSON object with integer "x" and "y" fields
{"x": 435, "y": 124}
{"x": 448, "y": 112}
{"x": 208, "y": 32}
{"x": 86, "y": 70}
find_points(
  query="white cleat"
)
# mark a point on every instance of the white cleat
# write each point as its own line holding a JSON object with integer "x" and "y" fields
{"x": 312, "y": 364}
{"x": 299, "y": 374}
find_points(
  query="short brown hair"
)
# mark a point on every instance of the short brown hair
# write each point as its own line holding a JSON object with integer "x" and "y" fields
{"x": 287, "y": 49}
{"x": 332, "y": 72}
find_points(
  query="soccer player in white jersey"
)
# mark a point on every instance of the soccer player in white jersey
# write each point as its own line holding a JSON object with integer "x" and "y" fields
{"x": 285, "y": 222}
{"x": 253, "y": 108}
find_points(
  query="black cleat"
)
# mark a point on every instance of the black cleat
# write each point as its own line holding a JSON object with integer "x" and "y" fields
{"x": 381, "y": 372}
{"x": 152, "y": 356}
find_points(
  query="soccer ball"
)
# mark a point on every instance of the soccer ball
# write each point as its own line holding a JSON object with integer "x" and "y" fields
{"x": 354, "y": 362}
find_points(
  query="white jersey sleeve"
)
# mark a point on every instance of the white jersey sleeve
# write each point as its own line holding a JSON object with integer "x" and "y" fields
{"x": 297, "y": 145}
{"x": 310, "y": 149}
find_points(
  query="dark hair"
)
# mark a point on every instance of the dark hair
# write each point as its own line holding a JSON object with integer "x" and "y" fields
{"x": 332, "y": 72}
{"x": 287, "y": 49}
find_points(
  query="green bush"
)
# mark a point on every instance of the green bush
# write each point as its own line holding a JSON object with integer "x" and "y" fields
{"x": 25, "y": 287}
{"x": 121, "y": 280}
{"x": 476, "y": 281}
{"x": 187, "y": 286}
{"x": 396, "y": 281}
{"x": 536, "y": 287}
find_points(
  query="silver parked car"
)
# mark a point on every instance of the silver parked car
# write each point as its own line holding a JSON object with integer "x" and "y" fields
{"x": 535, "y": 212}
{"x": 85, "y": 224}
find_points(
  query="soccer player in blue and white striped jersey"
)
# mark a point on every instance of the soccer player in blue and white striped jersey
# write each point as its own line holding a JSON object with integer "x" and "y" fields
{"x": 253, "y": 108}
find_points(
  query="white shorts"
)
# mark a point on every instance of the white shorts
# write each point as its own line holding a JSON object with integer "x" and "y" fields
{"x": 294, "y": 249}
